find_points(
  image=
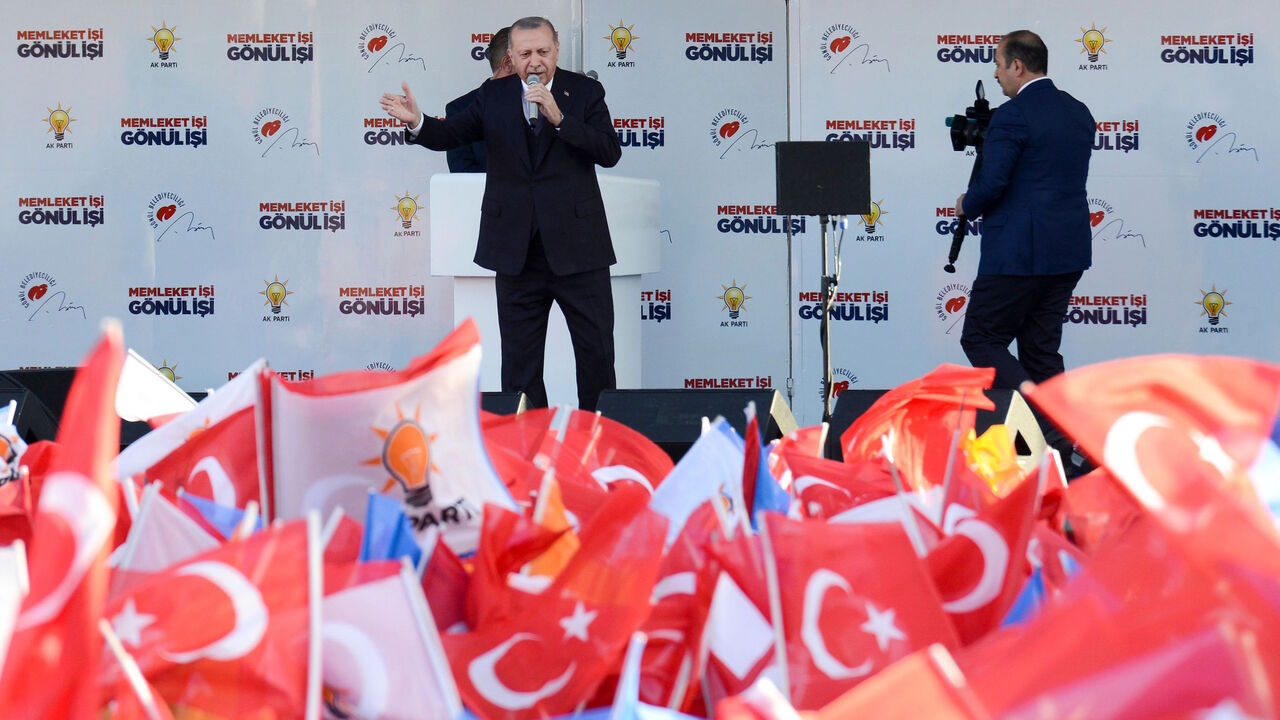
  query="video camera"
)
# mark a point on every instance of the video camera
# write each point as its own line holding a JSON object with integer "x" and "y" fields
{"x": 969, "y": 129}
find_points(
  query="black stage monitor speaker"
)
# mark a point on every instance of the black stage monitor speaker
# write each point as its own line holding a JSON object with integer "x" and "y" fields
{"x": 850, "y": 405}
{"x": 32, "y": 419}
{"x": 673, "y": 418}
{"x": 503, "y": 403}
{"x": 49, "y": 385}
{"x": 815, "y": 177}
{"x": 1011, "y": 410}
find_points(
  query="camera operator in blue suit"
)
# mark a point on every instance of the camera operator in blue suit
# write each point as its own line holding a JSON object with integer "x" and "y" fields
{"x": 1036, "y": 237}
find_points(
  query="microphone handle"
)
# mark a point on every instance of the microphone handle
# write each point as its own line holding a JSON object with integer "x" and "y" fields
{"x": 532, "y": 116}
{"x": 957, "y": 239}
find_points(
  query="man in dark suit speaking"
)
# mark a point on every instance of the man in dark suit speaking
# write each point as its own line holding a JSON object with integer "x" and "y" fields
{"x": 542, "y": 223}
{"x": 1036, "y": 238}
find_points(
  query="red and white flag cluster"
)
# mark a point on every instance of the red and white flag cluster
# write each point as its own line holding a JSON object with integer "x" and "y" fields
{"x": 928, "y": 574}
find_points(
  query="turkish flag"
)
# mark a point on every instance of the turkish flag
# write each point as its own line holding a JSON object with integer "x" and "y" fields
{"x": 979, "y": 567}
{"x": 214, "y": 450}
{"x": 445, "y": 580}
{"x": 382, "y": 653}
{"x": 508, "y": 540}
{"x": 924, "y": 684}
{"x": 413, "y": 435}
{"x": 678, "y": 613}
{"x": 922, "y": 416}
{"x": 552, "y": 657}
{"x": 161, "y": 536}
{"x": 1162, "y": 424}
{"x": 56, "y": 628}
{"x": 826, "y": 488}
{"x": 520, "y": 433}
{"x": 855, "y": 598}
{"x": 15, "y": 509}
{"x": 738, "y": 641}
{"x": 612, "y": 452}
{"x": 228, "y": 632}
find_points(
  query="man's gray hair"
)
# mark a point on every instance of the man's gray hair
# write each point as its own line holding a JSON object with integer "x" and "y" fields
{"x": 533, "y": 22}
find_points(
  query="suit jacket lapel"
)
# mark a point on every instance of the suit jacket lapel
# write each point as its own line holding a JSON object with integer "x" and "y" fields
{"x": 562, "y": 89}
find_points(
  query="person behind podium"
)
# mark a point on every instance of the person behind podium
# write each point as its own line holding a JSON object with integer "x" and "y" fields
{"x": 543, "y": 229}
{"x": 471, "y": 158}
{"x": 1036, "y": 237}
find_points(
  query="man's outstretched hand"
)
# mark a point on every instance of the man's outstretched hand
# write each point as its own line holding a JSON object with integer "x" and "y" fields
{"x": 402, "y": 107}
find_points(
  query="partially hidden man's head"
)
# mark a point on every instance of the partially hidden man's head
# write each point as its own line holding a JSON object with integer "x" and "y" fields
{"x": 535, "y": 48}
{"x": 1020, "y": 58}
{"x": 499, "y": 58}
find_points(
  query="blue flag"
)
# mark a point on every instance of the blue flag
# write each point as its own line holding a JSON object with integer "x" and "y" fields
{"x": 1029, "y": 600}
{"x": 388, "y": 535}
{"x": 224, "y": 518}
{"x": 766, "y": 494}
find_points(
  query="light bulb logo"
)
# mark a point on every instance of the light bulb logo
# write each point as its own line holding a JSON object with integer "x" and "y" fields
{"x": 1214, "y": 304}
{"x": 407, "y": 208}
{"x": 276, "y": 294}
{"x": 621, "y": 38}
{"x": 170, "y": 372}
{"x": 870, "y": 219}
{"x": 733, "y": 296}
{"x": 162, "y": 40}
{"x": 59, "y": 120}
{"x": 1093, "y": 41}
{"x": 406, "y": 456}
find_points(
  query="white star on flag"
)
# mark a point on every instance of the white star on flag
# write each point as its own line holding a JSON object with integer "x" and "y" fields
{"x": 576, "y": 624}
{"x": 882, "y": 626}
{"x": 128, "y": 624}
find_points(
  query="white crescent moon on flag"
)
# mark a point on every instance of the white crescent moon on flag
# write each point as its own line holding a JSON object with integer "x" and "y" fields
{"x": 613, "y": 473}
{"x": 804, "y": 482}
{"x": 247, "y": 606}
{"x": 80, "y": 502}
{"x": 320, "y": 494}
{"x": 995, "y": 562}
{"x": 371, "y": 699}
{"x": 814, "y": 591}
{"x": 1120, "y": 454}
{"x": 681, "y": 583}
{"x": 483, "y": 675}
{"x": 224, "y": 491}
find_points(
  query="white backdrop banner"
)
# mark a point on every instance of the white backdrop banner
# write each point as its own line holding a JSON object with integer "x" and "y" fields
{"x": 221, "y": 178}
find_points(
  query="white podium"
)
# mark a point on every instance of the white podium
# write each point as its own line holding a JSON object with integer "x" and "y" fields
{"x": 631, "y": 205}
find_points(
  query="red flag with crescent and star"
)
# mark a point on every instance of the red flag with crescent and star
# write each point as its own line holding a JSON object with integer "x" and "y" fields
{"x": 549, "y": 658}
{"x": 855, "y": 598}
{"x": 56, "y": 629}
{"x": 228, "y": 631}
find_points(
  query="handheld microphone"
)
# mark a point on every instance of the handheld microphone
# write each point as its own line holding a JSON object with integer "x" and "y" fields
{"x": 532, "y": 113}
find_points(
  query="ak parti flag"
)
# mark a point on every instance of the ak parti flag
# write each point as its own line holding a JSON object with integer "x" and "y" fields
{"x": 57, "y": 626}
{"x": 216, "y": 450}
{"x": 413, "y": 435}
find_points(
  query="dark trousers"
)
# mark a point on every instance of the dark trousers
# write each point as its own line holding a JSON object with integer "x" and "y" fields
{"x": 1026, "y": 308}
{"x": 524, "y": 304}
